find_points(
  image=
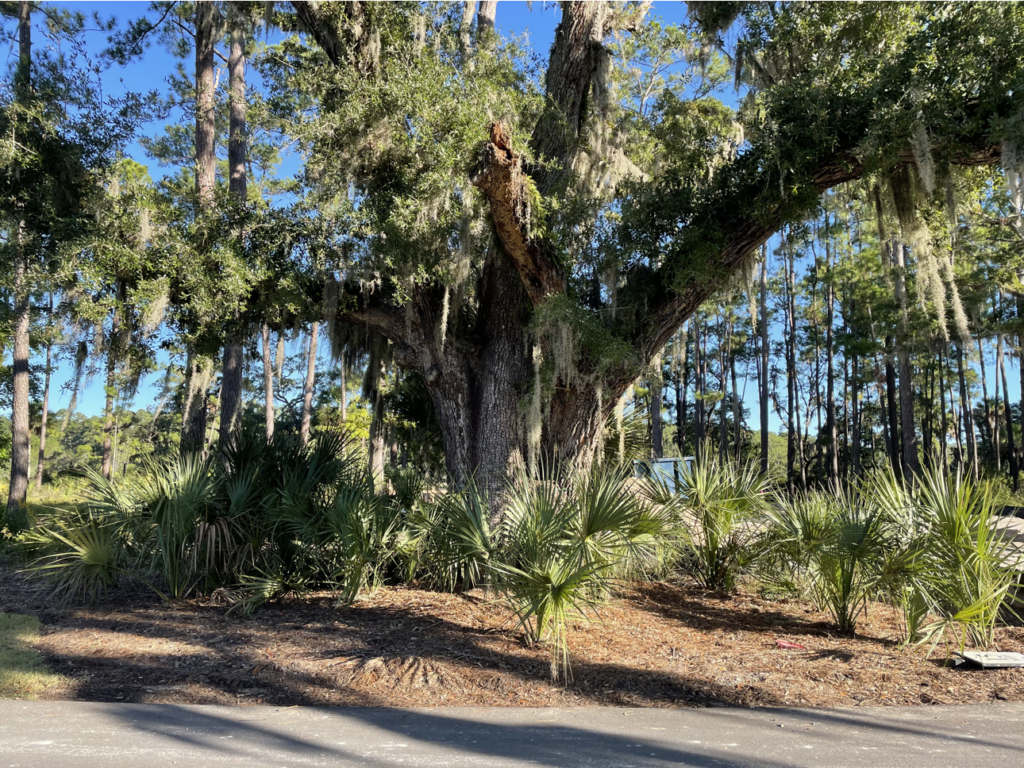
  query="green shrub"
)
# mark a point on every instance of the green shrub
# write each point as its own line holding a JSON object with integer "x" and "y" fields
{"x": 563, "y": 539}
{"x": 719, "y": 511}
{"x": 832, "y": 545}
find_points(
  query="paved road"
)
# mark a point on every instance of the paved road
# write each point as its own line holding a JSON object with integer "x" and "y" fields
{"x": 71, "y": 734}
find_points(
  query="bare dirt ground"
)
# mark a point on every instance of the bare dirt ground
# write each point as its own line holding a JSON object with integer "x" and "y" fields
{"x": 655, "y": 645}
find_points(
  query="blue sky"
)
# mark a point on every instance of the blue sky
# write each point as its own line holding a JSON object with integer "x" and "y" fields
{"x": 535, "y": 20}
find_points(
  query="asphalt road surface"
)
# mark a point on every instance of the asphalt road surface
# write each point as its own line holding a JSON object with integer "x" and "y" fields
{"x": 45, "y": 734}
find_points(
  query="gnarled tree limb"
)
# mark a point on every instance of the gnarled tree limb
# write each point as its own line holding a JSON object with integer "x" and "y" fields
{"x": 502, "y": 180}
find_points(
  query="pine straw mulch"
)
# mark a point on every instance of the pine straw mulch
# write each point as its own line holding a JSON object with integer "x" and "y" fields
{"x": 656, "y": 645}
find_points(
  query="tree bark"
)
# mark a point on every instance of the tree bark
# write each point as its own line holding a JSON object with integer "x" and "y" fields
{"x": 307, "y": 389}
{"x": 989, "y": 422}
{"x": 723, "y": 367}
{"x": 763, "y": 381}
{"x": 46, "y": 405}
{"x": 682, "y": 382}
{"x": 792, "y": 428}
{"x": 377, "y": 432}
{"x": 206, "y": 160}
{"x": 968, "y": 413}
{"x": 700, "y": 405}
{"x": 268, "y": 383}
{"x": 195, "y": 413}
{"x": 896, "y": 450}
{"x": 944, "y": 421}
{"x": 233, "y": 368}
{"x": 114, "y": 351}
{"x": 830, "y": 377}
{"x": 657, "y": 445}
{"x": 20, "y": 442}
{"x": 906, "y": 385}
{"x": 737, "y": 406}
{"x": 17, "y": 491}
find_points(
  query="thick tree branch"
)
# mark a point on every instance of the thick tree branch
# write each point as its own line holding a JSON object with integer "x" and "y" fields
{"x": 503, "y": 182}
{"x": 315, "y": 21}
{"x": 750, "y": 235}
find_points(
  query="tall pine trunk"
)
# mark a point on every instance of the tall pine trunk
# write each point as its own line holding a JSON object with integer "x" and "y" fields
{"x": 197, "y": 365}
{"x": 307, "y": 389}
{"x": 763, "y": 381}
{"x": 967, "y": 413}
{"x": 699, "y": 405}
{"x": 988, "y": 422}
{"x": 830, "y": 378}
{"x": 892, "y": 413}
{"x": 114, "y": 350}
{"x": 268, "y": 383}
{"x": 17, "y": 491}
{"x": 944, "y": 424}
{"x": 234, "y": 362}
{"x": 906, "y": 383}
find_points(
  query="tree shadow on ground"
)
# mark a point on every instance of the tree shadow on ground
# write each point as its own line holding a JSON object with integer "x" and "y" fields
{"x": 724, "y": 612}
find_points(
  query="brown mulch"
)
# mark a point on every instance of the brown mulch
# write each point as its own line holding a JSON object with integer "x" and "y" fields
{"x": 656, "y": 645}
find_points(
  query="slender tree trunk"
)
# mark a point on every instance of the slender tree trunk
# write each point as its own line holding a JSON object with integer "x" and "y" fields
{"x": 830, "y": 378}
{"x": 944, "y": 437}
{"x": 968, "y": 413}
{"x": 657, "y": 445}
{"x": 194, "y": 431}
{"x": 699, "y": 404}
{"x": 268, "y": 383}
{"x": 906, "y": 383}
{"x": 377, "y": 432}
{"x": 206, "y": 159}
{"x": 928, "y": 428}
{"x": 682, "y": 381}
{"x": 344, "y": 388}
{"x": 1011, "y": 447}
{"x": 895, "y": 450}
{"x": 17, "y": 491}
{"x": 114, "y": 351}
{"x": 723, "y": 421}
{"x": 20, "y": 441}
{"x": 737, "y": 407}
{"x": 792, "y": 428}
{"x": 234, "y": 358}
{"x": 763, "y": 383}
{"x": 989, "y": 426}
{"x": 307, "y": 390}
{"x": 46, "y": 405}
{"x": 855, "y": 412}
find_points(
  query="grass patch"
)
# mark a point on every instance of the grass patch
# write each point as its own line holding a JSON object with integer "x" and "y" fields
{"x": 23, "y": 675}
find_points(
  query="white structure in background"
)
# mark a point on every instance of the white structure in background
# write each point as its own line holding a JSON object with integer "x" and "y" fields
{"x": 669, "y": 471}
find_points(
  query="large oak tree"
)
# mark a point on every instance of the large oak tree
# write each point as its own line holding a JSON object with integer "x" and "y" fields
{"x": 530, "y": 244}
